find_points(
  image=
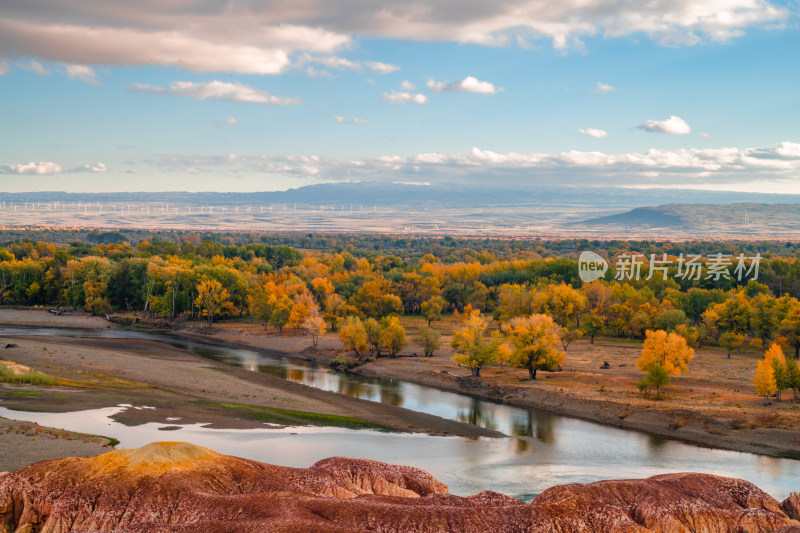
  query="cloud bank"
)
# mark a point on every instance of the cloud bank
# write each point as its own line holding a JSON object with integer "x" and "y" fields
{"x": 717, "y": 167}
{"x": 48, "y": 167}
{"x": 261, "y": 37}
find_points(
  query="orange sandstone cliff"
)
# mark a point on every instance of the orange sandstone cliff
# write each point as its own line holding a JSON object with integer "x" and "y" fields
{"x": 178, "y": 487}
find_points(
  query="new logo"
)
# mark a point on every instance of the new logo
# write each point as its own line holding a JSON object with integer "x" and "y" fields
{"x": 591, "y": 266}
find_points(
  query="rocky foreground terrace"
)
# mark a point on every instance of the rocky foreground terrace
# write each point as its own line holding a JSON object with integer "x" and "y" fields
{"x": 180, "y": 487}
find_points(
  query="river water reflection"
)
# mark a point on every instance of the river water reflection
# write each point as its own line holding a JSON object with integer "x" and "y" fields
{"x": 542, "y": 449}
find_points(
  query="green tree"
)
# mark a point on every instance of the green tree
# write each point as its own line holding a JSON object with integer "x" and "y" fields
{"x": 592, "y": 324}
{"x": 432, "y": 308}
{"x": 429, "y": 339}
{"x": 732, "y": 341}
{"x": 789, "y": 328}
{"x": 670, "y": 319}
{"x": 657, "y": 377}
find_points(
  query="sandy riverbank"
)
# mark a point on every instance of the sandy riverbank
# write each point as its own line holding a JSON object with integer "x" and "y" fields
{"x": 99, "y": 372}
{"x": 711, "y": 405}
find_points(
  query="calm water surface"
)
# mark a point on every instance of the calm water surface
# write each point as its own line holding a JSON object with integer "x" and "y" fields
{"x": 541, "y": 450}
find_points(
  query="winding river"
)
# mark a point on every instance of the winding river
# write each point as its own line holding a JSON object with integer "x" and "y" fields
{"x": 542, "y": 449}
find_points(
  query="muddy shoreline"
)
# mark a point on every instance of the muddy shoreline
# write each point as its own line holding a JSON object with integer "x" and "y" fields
{"x": 686, "y": 425}
{"x": 694, "y": 427}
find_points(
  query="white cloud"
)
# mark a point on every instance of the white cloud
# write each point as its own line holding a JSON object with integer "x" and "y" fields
{"x": 333, "y": 62}
{"x": 381, "y": 68}
{"x": 4, "y": 68}
{"x": 83, "y": 73}
{"x": 48, "y": 167}
{"x": 402, "y": 97}
{"x": 97, "y": 167}
{"x": 355, "y": 120}
{"x": 470, "y": 84}
{"x": 216, "y": 90}
{"x": 407, "y": 85}
{"x": 594, "y": 132}
{"x": 704, "y": 135}
{"x": 35, "y": 67}
{"x": 603, "y": 88}
{"x": 231, "y": 120}
{"x": 191, "y": 170}
{"x": 674, "y": 125}
{"x": 43, "y": 167}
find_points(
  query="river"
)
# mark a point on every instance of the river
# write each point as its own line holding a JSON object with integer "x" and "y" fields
{"x": 541, "y": 450}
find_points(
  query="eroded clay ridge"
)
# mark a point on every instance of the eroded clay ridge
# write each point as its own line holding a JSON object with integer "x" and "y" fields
{"x": 179, "y": 487}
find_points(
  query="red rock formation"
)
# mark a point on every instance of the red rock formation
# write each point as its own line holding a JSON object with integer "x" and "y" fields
{"x": 177, "y": 487}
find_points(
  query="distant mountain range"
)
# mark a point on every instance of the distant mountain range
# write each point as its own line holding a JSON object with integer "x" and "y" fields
{"x": 725, "y": 218}
{"x": 420, "y": 196}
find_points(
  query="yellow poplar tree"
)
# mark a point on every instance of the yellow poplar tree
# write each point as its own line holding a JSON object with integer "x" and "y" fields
{"x": 665, "y": 349}
{"x": 533, "y": 341}
{"x": 353, "y": 335}
{"x": 314, "y": 325}
{"x": 765, "y": 379}
{"x": 393, "y": 335}
{"x": 473, "y": 348}
{"x": 777, "y": 362}
{"x": 213, "y": 299}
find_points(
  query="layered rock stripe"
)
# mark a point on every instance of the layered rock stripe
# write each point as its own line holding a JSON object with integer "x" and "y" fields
{"x": 179, "y": 487}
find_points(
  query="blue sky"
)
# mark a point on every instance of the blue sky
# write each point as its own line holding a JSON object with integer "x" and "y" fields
{"x": 264, "y": 95}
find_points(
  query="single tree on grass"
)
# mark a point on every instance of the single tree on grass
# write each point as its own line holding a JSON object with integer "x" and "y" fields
{"x": 429, "y": 338}
{"x": 533, "y": 341}
{"x": 666, "y": 349}
{"x": 765, "y": 380}
{"x": 663, "y": 355}
{"x": 656, "y": 377}
{"x": 393, "y": 335}
{"x": 592, "y": 324}
{"x": 780, "y": 372}
{"x": 314, "y": 325}
{"x": 474, "y": 347}
{"x": 568, "y": 335}
{"x": 732, "y": 341}
{"x": 353, "y": 335}
{"x": 374, "y": 336}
